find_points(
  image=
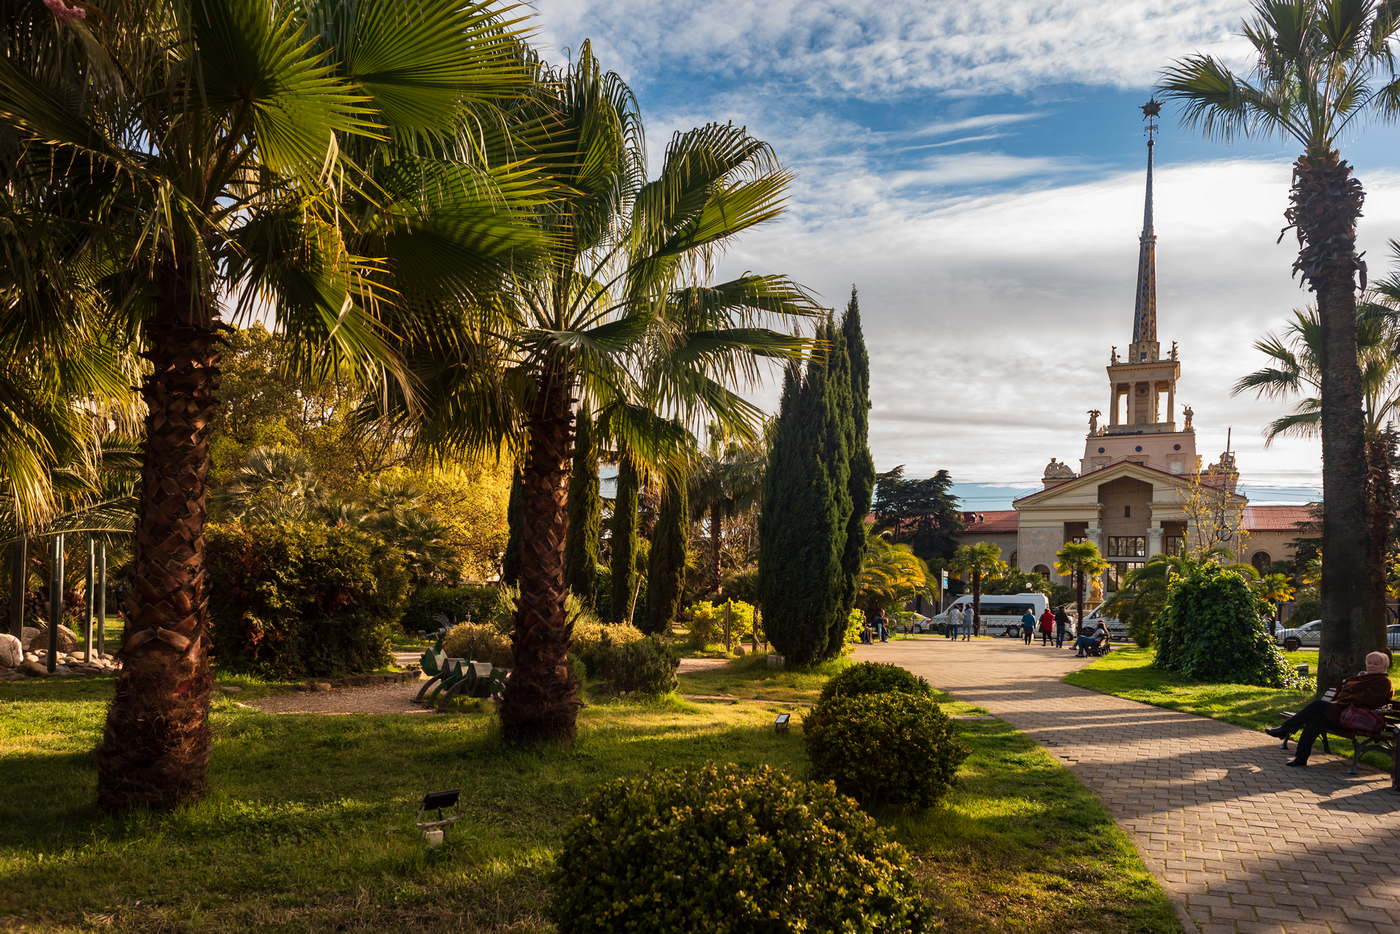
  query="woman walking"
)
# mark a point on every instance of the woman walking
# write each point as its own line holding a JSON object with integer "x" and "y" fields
{"x": 1028, "y": 625}
{"x": 1047, "y": 622}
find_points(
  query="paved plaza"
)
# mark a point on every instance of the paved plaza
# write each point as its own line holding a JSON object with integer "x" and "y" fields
{"x": 1247, "y": 844}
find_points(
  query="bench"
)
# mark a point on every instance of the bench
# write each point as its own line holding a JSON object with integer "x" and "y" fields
{"x": 1362, "y": 743}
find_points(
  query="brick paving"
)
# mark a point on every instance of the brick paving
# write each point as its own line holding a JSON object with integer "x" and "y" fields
{"x": 1247, "y": 844}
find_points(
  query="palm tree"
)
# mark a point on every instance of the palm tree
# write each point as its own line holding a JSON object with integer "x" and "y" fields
{"x": 983, "y": 558}
{"x": 1321, "y": 64}
{"x": 209, "y": 155}
{"x": 1295, "y": 368}
{"x": 1080, "y": 560}
{"x": 726, "y": 483}
{"x": 618, "y": 316}
{"x": 1276, "y": 588}
{"x": 890, "y": 575}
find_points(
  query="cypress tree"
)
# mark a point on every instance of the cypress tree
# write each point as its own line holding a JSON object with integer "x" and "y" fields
{"x": 861, "y": 483}
{"x": 510, "y": 561}
{"x": 585, "y": 517}
{"x": 624, "y": 541}
{"x": 666, "y": 562}
{"x": 839, "y": 431}
{"x": 798, "y": 560}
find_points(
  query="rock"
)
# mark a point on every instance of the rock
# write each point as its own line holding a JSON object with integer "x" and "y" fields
{"x": 230, "y": 689}
{"x": 67, "y": 639}
{"x": 33, "y": 669}
{"x": 11, "y": 652}
{"x": 26, "y": 636}
{"x": 61, "y": 671}
{"x": 30, "y": 657}
{"x": 320, "y": 686}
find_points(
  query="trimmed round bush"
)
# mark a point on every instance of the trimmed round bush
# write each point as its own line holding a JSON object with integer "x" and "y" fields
{"x": 874, "y": 678}
{"x": 891, "y": 748}
{"x": 642, "y": 666}
{"x": 1216, "y": 628}
{"x": 722, "y": 848}
{"x": 480, "y": 642}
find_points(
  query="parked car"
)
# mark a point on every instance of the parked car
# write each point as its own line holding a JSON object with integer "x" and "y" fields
{"x": 1307, "y": 634}
{"x": 998, "y": 612}
{"x": 1392, "y": 637}
{"x": 1116, "y": 628}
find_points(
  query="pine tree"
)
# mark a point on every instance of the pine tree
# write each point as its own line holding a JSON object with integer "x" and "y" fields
{"x": 666, "y": 562}
{"x": 510, "y": 561}
{"x": 624, "y": 542}
{"x": 854, "y": 407}
{"x": 585, "y": 517}
{"x": 798, "y": 559}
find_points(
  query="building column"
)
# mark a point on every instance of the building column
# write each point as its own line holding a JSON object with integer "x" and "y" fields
{"x": 1171, "y": 400}
{"x": 1154, "y": 539}
{"x": 1113, "y": 405}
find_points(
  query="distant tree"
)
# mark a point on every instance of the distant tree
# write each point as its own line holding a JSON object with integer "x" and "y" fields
{"x": 511, "y": 557}
{"x": 624, "y": 541}
{"x": 585, "y": 516}
{"x": 1080, "y": 561}
{"x": 891, "y": 575}
{"x": 920, "y": 513}
{"x": 837, "y": 454}
{"x": 726, "y": 483}
{"x": 667, "y": 559}
{"x": 978, "y": 561}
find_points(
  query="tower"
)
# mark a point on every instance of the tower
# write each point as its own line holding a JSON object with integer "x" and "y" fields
{"x": 1142, "y": 387}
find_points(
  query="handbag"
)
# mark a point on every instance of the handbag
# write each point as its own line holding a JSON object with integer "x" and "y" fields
{"x": 1362, "y": 720}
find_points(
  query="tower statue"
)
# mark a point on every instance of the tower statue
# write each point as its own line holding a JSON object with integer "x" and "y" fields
{"x": 1094, "y": 421}
{"x": 1186, "y": 413}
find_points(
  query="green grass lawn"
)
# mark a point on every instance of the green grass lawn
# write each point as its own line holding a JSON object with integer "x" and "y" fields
{"x": 308, "y": 825}
{"x": 1128, "y": 672}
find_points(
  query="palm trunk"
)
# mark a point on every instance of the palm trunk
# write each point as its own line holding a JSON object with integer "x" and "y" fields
{"x": 1078, "y": 601}
{"x": 1382, "y": 511}
{"x": 714, "y": 544}
{"x": 540, "y": 702}
{"x": 1326, "y": 203}
{"x": 976, "y": 602}
{"x": 155, "y": 748}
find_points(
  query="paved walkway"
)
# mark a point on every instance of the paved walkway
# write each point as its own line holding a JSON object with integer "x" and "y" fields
{"x": 1246, "y": 843}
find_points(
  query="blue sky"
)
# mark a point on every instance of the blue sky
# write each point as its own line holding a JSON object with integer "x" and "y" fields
{"x": 976, "y": 170}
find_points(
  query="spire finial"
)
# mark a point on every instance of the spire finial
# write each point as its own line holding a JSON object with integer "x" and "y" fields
{"x": 1145, "y": 312}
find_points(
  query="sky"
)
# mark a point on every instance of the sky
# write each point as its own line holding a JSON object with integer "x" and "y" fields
{"x": 976, "y": 171}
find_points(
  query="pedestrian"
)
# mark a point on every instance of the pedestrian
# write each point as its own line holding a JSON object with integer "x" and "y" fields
{"x": 1028, "y": 624}
{"x": 955, "y": 618}
{"x": 1061, "y": 626}
{"x": 881, "y": 629}
{"x": 969, "y": 621}
{"x": 1047, "y": 621}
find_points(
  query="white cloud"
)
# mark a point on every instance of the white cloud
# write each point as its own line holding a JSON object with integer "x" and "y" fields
{"x": 989, "y": 320}
{"x": 899, "y": 46}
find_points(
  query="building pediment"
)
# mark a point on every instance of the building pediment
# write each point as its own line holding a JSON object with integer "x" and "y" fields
{"x": 1053, "y": 497}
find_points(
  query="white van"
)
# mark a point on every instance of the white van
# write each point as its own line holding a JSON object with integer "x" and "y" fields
{"x": 997, "y": 611}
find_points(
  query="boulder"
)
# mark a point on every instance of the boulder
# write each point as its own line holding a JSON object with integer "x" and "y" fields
{"x": 33, "y": 670}
{"x": 26, "y": 636}
{"x": 11, "y": 652}
{"x": 67, "y": 640}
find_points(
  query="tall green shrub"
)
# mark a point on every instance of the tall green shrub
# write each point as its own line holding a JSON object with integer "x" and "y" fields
{"x": 666, "y": 561}
{"x": 861, "y": 479}
{"x": 1215, "y": 628}
{"x": 585, "y": 517}
{"x": 624, "y": 542}
{"x": 802, "y": 529}
{"x": 840, "y": 435}
{"x": 302, "y": 599}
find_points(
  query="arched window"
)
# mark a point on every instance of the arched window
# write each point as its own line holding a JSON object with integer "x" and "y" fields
{"x": 1261, "y": 560}
{"x": 1042, "y": 570}
{"x": 1012, "y": 560}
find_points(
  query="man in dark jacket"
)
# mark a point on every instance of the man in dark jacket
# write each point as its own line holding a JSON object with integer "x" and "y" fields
{"x": 1061, "y": 626}
{"x": 1370, "y": 688}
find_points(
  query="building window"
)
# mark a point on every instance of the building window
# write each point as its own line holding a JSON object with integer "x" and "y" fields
{"x": 1127, "y": 512}
{"x": 1172, "y": 544}
{"x": 1127, "y": 546}
{"x": 1042, "y": 570}
{"x": 1261, "y": 560}
{"x": 1118, "y": 570}
{"x": 1012, "y": 560}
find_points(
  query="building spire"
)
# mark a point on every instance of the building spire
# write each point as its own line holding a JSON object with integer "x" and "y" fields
{"x": 1145, "y": 310}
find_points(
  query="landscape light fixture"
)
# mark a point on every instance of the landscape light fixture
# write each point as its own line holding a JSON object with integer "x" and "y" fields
{"x": 780, "y": 725}
{"x": 437, "y": 801}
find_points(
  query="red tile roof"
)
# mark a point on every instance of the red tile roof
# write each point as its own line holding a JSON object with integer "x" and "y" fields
{"x": 994, "y": 522}
{"x": 1276, "y": 518}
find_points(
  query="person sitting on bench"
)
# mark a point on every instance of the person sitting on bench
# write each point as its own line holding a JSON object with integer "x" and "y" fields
{"x": 1370, "y": 688}
{"x": 1085, "y": 642}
